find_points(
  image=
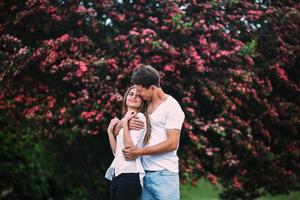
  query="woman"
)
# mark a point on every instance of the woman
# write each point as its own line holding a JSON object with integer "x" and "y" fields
{"x": 127, "y": 176}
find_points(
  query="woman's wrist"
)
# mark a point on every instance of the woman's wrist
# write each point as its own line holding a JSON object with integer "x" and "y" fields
{"x": 109, "y": 132}
{"x": 125, "y": 122}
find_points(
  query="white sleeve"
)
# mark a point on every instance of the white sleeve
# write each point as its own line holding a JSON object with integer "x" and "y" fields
{"x": 175, "y": 117}
{"x": 138, "y": 135}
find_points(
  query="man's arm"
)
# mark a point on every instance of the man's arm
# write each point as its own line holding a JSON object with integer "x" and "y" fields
{"x": 134, "y": 124}
{"x": 173, "y": 137}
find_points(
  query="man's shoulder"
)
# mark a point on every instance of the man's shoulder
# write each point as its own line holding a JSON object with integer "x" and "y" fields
{"x": 172, "y": 101}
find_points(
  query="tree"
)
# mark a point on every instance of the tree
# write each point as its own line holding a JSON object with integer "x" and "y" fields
{"x": 231, "y": 65}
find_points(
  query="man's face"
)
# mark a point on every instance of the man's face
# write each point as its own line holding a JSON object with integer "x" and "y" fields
{"x": 145, "y": 93}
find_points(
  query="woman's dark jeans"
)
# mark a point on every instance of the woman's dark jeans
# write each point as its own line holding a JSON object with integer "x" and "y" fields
{"x": 126, "y": 186}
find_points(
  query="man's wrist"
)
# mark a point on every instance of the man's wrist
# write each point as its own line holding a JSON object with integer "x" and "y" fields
{"x": 140, "y": 151}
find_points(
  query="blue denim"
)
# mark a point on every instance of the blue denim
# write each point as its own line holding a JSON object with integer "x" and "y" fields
{"x": 161, "y": 185}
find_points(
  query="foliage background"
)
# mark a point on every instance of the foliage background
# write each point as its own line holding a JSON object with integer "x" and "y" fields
{"x": 232, "y": 64}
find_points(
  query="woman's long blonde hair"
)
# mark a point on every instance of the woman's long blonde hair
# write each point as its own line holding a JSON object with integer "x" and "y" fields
{"x": 143, "y": 109}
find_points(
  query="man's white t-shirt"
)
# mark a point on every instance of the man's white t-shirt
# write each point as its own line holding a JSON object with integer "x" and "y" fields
{"x": 119, "y": 164}
{"x": 168, "y": 115}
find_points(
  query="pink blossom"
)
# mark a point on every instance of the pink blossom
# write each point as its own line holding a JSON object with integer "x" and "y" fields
{"x": 19, "y": 98}
{"x": 61, "y": 121}
{"x": 236, "y": 183}
{"x": 87, "y": 115}
{"x": 79, "y": 23}
{"x": 31, "y": 112}
{"x": 186, "y": 125}
{"x": 52, "y": 56}
{"x": 133, "y": 32}
{"x": 213, "y": 46}
{"x": 269, "y": 11}
{"x": 82, "y": 66}
{"x": 169, "y": 68}
{"x": 249, "y": 60}
{"x": 56, "y": 17}
{"x": 49, "y": 42}
{"x": 153, "y": 19}
{"x": 203, "y": 41}
{"x": 165, "y": 44}
{"x": 255, "y": 12}
{"x": 233, "y": 107}
{"x": 164, "y": 28}
{"x": 225, "y": 53}
{"x": 214, "y": 27}
{"x": 64, "y": 37}
{"x": 123, "y": 37}
{"x": 148, "y": 31}
{"x": 78, "y": 73}
{"x": 281, "y": 73}
{"x": 99, "y": 117}
{"x": 209, "y": 152}
{"x": 121, "y": 17}
{"x": 198, "y": 166}
{"x": 112, "y": 62}
{"x": 191, "y": 110}
{"x": 141, "y": 15}
{"x": 51, "y": 102}
{"x": 212, "y": 179}
{"x": 81, "y": 9}
{"x": 157, "y": 59}
{"x": 63, "y": 110}
{"x": 193, "y": 137}
{"x": 71, "y": 94}
{"x": 49, "y": 115}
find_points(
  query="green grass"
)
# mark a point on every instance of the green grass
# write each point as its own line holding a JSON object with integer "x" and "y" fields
{"x": 205, "y": 191}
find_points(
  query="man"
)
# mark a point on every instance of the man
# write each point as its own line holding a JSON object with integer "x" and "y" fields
{"x": 159, "y": 156}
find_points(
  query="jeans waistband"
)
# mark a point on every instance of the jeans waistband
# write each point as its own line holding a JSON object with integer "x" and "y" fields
{"x": 153, "y": 171}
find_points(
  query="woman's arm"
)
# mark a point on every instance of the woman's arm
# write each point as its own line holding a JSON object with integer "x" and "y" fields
{"x": 112, "y": 142}
{"x": 111, "y": 136}
{"x": 117, "y": 128}
{"x": 126, "y": 136}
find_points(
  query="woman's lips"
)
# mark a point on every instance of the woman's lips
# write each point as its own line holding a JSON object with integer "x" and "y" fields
{"x": 133, "y": 101}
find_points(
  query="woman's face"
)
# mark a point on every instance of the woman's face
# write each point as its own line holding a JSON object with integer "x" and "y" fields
{"x": 133, "y": 99}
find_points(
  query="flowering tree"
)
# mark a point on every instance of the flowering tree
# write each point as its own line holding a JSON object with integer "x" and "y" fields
{"x": 231, "y": 65}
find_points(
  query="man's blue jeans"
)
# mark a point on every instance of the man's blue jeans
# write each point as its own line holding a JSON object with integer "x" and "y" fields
{"x": 161, "y": 185}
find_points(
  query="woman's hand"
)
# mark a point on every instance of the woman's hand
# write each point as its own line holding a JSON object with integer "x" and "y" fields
{"x": 112, "y": 124}
{"x": 127, "y": 117}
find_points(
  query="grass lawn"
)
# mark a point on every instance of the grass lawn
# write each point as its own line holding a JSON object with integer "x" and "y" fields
{"x": 206, "y": 191}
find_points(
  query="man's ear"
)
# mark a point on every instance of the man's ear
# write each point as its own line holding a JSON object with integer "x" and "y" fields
{"x": 152, "y": 87}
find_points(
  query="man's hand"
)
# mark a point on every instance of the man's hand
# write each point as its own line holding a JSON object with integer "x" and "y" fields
{"x": 131, "y": 153}
{"x": 135, "y": 123}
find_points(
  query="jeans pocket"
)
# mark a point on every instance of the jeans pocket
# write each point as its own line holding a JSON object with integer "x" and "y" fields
{"x": 167, "y": 173}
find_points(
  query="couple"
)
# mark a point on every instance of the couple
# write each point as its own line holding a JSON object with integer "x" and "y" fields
{"x": 145, "y": 141}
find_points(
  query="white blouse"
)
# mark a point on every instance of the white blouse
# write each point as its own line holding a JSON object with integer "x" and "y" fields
{"x": 119, "y": 164}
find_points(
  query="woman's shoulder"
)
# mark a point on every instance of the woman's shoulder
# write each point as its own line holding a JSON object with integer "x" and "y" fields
{"x": 141, "y": 116}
